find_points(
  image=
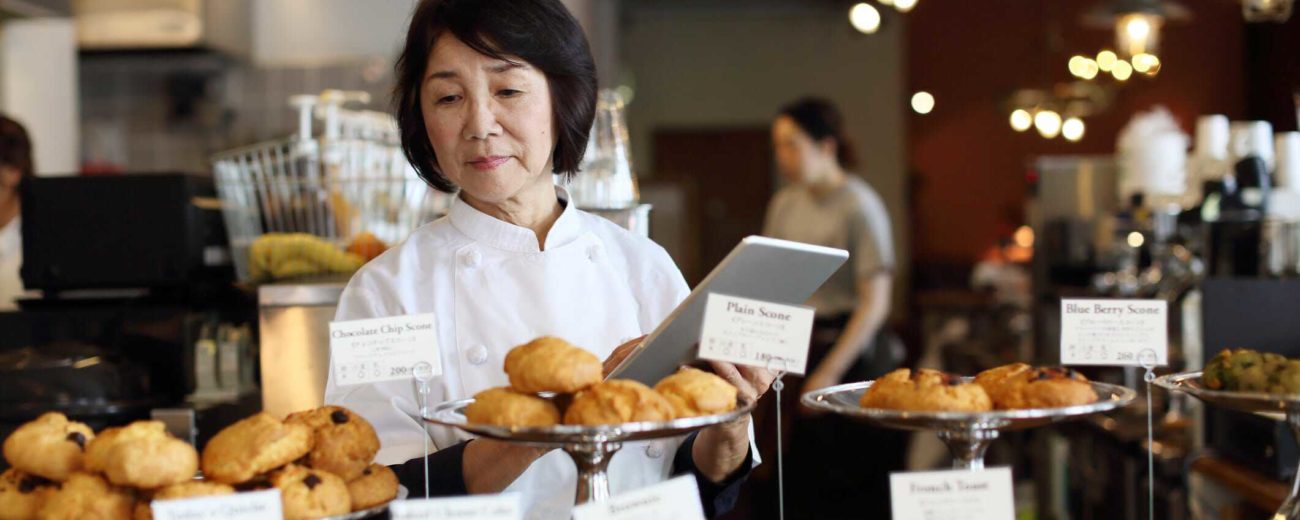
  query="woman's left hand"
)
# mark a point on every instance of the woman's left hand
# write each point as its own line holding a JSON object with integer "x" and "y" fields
{"x": 751, "y": 383}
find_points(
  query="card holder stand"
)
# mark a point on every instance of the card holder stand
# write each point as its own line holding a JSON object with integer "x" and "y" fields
{"x": 421, "y": 375}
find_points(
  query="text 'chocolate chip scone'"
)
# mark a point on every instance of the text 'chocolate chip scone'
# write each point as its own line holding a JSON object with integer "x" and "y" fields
{"x": 505, "y": 407}
{"x": 376, "y": 485}
{"x": 925, "y": 390}
{"x": 309, "y": 493}
{"x": 695, "y": 393}
{"x": 344, "y": 443}
{"x": 85, "y": 496}
{"x": 550, "y": 364}
{"x": 22, "y": 495}
{"x": 1020, "y": 386}
{"x": 50, "y": 446}
{"x": 142, "y": 455}
{"x": 254, "y": 445}
{"x": 191, "y": 489}
{"x": 618, "y": 401}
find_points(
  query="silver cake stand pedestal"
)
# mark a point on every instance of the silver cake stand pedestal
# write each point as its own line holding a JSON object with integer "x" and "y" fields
{"x": 591, "y": 447}
{"x": 1274, "y": 406}
{"x": 967, "y": 434}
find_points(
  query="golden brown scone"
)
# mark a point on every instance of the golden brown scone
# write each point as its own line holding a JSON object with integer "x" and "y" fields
{"x": 143, "y": 455}
{"x": 550, "y": 364}
{"x": 694, "y": 392}
{"x": 925, "y": 390}
{"x": 191, "y": 489}
{"x": 376, "y": 485}
{"x": 311, "y": 493}
{"x": 1019, "y": 386}
{"x": 618, "y": 401}
{"x": 50, "y": 446}
{"x": 256, "y": 444}
{"x": 22, "y": 495}
{"x": 505, "y": 407}
{"x": 88, "y": 497}
{"x": 97, "y": 450}
{"x": 344, "y": 442}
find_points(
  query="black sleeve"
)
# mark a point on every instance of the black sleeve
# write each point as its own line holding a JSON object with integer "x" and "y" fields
{"x": 720, "y": 497}
{"x": 446, "y": 473}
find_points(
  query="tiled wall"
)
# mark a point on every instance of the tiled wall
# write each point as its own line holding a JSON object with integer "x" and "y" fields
{"x": 170, "y": 111}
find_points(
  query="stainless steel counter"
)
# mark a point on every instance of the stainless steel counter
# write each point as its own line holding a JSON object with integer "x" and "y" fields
{"x": 295, "y": 347}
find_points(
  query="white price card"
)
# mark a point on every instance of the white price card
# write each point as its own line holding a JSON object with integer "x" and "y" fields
{"x": 676, "y": 498}
{"x": 943, "y": 495}
{"x": 478, "y": 507}
{"x": 252, "y": 505}
{"x": 1115, "y": 332}
{"x": 756, "y": 333}
{"x": 382, "y": 349}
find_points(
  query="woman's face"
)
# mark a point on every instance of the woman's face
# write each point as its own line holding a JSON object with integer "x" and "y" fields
{"x": 489, "y": 121}
{"x": 799, "y": 158}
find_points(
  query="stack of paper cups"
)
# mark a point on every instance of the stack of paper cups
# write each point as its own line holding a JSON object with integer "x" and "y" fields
{"x": 1212, "y": 137}
{"x": 1286, "y": 174}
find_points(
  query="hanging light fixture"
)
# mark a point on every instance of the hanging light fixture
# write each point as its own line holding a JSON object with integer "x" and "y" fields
{"x": 1137, "y": 23}
{"x": 1266, "y": 10}
{"x": 865, "y": 18}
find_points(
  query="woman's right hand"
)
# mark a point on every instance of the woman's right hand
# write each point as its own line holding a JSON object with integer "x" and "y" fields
{"x": 620, "y": 353}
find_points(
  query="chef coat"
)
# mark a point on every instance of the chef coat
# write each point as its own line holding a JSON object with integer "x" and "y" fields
{"x": 491, "y": 288}
{"x": 11, "y": 259}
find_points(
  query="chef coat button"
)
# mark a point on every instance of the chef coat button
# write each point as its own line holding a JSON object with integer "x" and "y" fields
{"x": 593, "y": 253}
{"x": 477, "y": 355}
{"x": 654, "y": 451}
{"x": 471, "y": 258}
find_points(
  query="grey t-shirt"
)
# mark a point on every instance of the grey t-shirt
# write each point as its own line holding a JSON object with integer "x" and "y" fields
{"x": 853, "y": 218}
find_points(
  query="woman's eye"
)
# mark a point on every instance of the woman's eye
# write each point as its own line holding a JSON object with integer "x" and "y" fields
{"x": 444, "y": 100}
{"x": 509, "y": 92}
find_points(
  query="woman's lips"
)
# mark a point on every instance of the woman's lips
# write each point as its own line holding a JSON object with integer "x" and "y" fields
{"x": 488, "y": 163}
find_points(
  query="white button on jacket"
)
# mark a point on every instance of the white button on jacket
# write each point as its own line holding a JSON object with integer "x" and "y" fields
{"x": 491, "y": 288}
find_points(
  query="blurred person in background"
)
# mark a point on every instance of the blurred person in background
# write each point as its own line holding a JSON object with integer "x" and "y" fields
{"x": 838, "y": 468}
{"x": 15, "y": 167}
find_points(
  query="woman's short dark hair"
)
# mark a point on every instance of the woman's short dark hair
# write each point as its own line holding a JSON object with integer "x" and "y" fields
{"x": 15, "y": 147}
{"x": 539, "y": 32}
{"x": 819, "y": 118}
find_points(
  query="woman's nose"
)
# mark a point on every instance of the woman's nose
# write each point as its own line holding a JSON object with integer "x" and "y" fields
{"x": 481, "y": 122}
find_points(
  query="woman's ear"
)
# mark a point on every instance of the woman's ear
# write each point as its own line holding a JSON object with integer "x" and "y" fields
{"x": 10, "y": 177}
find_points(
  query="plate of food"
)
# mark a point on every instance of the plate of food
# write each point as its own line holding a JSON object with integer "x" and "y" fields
{"x": 1245, "y": 380}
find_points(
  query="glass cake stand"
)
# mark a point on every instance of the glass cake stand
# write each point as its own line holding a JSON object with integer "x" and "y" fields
{"x": 1274, "y": 406}
{"x": 967, "y": 434}
{"x": 591, "y": 447}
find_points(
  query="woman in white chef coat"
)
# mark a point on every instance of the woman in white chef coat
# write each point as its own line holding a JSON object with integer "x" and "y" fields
{"x": 492, "y": 97}
{"x": 15, "y": 167}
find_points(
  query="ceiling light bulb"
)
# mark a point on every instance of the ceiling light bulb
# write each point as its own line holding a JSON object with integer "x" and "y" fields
{"x": 865, "y": 18}
{"x": 922, "y": 102}
{"x": 1122, "y": 70}
{"x": 1106, "y": 59}
{"x": 904, "y": 5}
{"x": 1048, "y": 123}
{"x": 1021, "y": 120}
{"x": 1072, "y": 129}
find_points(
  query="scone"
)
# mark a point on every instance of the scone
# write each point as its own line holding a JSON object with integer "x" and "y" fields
{"x": 694, "y": 393}
{"x": 552, "y": 365}
{"x": 1244, "y": 370}
{"x": 505, "y": 407}
{"x": 311, "y": 493}
{"x": 256, "y": 444}
{"x": 376, "y": 485}
{"x": 925, "y": 390}
{"x": 191, "y": 489}
{"x": 343, "y": 443}
{"x": 22, "y": 495}
{"x": 618, "y": 401}
{"x": 143, "y": 455}
{"x": 87, "y": 497}
{"x": 1018, "y": 386}
{"x": 50, "y": 446}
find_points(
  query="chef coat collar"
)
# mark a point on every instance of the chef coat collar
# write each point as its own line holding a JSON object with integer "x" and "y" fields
{"x": 504, "y": 235}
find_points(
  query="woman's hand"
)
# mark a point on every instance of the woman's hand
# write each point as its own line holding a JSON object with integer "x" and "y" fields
{"x": 720, "y": 449}
{"x": 620, "y": 353}
{"x": 751, "y": 383}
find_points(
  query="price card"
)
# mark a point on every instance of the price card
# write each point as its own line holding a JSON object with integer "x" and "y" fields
{"x": 253, "y": 505}
{"x": 756, "y": 333}
{"x": 1114, "y": 332}
{"x": 942, "y": 495}
{"x": 478, "y": 507}
{"x": 677, "y": 498}
{"x": 382, "y": 349}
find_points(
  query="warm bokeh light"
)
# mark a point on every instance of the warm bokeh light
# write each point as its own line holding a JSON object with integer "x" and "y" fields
{"x": 1146, "y": 63}
{"x": 1106, "y": 59}
{"x": 1083, "y": 67}
{"x": 1048, "y": 123}
{"x": 1122, "y": 70}
{"x": 1135, "y": 239}
{"x": 865, "y": 18}
{"x": 904, "y": 5}
{"x": 1021, "y": 120}
{"x": 1072, "y": 129}
{"x": 1024, "y": 236}
{"x": 922, "y": 102}
{"x": 1138, "y": 33}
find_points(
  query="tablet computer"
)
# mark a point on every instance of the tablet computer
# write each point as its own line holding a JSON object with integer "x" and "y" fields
{"x": 760, "y": 268}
